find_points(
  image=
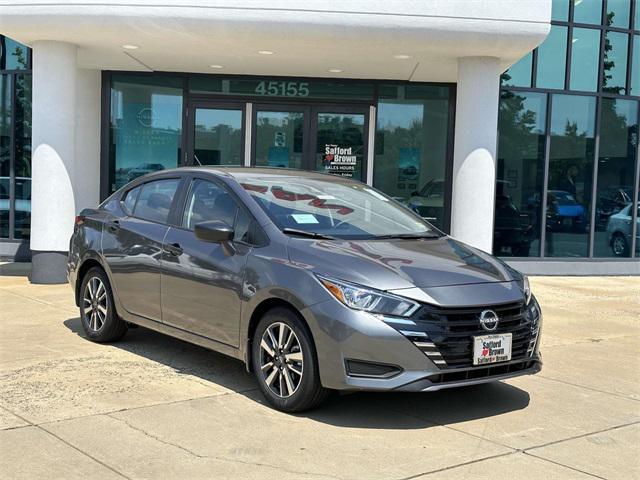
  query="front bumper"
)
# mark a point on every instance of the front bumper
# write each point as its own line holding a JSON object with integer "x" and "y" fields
{"x": 474, "y": 376}
{"x": 343, "y": 335}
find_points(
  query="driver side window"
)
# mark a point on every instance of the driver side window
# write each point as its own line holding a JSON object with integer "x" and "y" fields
{"x": 208, "y": 201}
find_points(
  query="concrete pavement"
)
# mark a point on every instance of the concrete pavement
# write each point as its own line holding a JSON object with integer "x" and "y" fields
{"x": 155, "y": 407}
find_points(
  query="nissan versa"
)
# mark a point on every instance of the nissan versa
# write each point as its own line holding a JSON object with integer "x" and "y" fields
{"x": 316, "y": 282}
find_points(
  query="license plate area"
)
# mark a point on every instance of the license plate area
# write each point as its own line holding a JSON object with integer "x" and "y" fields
{"x": 492, "y": 348}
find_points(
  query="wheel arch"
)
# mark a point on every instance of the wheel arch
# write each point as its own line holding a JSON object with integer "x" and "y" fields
{"x": 85, "y": 266}
{"x": 260, "y": 311}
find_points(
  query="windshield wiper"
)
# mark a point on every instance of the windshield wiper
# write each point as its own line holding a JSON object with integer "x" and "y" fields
{"x": 409, "y": 236}
{"x": 305, "y": 233}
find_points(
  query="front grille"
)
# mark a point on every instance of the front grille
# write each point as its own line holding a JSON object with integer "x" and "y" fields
{"x": 482, "y": 372}
{"x": 445, "y": 335}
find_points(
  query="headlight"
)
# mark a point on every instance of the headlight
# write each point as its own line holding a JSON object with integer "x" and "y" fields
{"x": 372, "y": 301}
{"x": 526, "y": 288}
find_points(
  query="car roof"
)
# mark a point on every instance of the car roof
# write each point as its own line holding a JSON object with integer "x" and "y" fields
{"x": 240, "y": 173}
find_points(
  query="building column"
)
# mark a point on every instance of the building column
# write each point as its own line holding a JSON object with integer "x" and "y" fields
{"x": 53, "y": 136}
{"x": 474, "y": 161}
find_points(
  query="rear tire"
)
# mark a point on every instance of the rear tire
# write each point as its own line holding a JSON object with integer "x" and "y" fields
{"x": 285, "y": 362}
{"x": 97, "y": 310}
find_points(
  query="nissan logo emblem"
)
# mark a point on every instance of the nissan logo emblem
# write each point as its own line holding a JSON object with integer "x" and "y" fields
{"x": 489, "y": 320}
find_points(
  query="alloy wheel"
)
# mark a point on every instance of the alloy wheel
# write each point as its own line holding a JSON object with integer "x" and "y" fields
{"x": 95, "y": 304}
{"x": 619, "y": 245}
{"x": 281, "y": 359}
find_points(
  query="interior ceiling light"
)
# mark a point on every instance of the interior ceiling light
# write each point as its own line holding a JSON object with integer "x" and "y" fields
{"x": 335, "y": 70}
{"x": 265, "y": 52}
{"x": 130, "y": 47}
{"x": 402, "y": 57}
{"x": 216, "y": 66}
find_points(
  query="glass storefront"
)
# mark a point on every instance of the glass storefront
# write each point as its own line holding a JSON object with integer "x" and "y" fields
{"x": 615, "y": 178}
{"x": 583, "y": 138}
{"x": 15, "y": 140}
{"x": 330, "y": 139}
{"x": 6, "y": 127}
{"x": 145, "y": 123}
{"x": 587, "y": 11}
{"x": 217, "y": 138}
{"x": 280, "y": 138}
{"x": 585, "y": 52}
{"x": 570, "y": 181}
{"x": 411, "y": 151}
{"x": 22, "y": 158}
{"x": 551, "y": 59}
{"x": 521, "y": 142}
{"x": 340, "y": 147}
{"x": 164, "y": 121}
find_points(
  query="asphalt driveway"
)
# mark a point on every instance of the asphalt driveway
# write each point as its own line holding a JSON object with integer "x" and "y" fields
{"x": 155, "y": 407}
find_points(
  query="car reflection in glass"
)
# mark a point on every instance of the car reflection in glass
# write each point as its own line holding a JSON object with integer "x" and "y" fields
{"x": 564, "y": 213}
{"x": 620, "y": 229}
{"x": 429, "y": 201}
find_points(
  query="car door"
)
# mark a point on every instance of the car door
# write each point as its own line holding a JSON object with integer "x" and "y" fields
{"x": 132, "y": 245}
{"x": 201, "y": 281}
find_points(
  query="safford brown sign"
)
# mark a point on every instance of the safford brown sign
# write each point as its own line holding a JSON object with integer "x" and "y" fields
{"x": 339, "y": 160}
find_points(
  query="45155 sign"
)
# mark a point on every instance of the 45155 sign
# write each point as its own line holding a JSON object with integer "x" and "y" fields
{"x": 283, "y": 89}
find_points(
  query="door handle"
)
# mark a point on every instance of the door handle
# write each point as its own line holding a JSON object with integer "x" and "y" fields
{"x": 113, "y": 226}
{"x": 174, "y": 249}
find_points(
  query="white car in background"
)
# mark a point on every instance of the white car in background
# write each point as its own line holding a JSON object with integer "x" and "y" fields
{"x": 620, "y": 230}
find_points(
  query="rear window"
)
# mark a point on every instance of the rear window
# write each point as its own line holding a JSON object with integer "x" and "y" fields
{"x": 129, "y": 201}
{"x": 155, "y": 200}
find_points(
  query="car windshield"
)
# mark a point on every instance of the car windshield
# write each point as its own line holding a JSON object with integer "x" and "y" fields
{"x": 333, "y": 208}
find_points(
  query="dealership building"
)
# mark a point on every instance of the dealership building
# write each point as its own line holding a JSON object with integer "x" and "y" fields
{"x": 510, "y": 124}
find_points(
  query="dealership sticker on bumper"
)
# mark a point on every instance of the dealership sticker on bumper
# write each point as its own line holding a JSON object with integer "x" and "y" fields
{"x": 491, "y": 349}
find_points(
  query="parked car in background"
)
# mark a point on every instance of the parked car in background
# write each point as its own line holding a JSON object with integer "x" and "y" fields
{"x": 429, "y": 201}
{"x": 315, "y": 281}
{"x": 567, "y": 215}
{"x": 513, "y": 230}
{"x": 620, "y": 230}
{"x": 611, "y": 201}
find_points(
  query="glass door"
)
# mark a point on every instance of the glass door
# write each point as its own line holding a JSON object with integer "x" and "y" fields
{"x": 280, "y": 136}
{"x": 340, "y": 137}
{"x": 216, "y": 134}
{"x": 322, "y": 138}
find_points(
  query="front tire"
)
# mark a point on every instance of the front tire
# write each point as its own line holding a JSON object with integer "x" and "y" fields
{"x": 97, "y": 311}
{"x": 619, "y": 245}
{"x": 285, "y": 362}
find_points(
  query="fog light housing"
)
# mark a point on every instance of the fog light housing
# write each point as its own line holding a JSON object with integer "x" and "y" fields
{"x": 361, "y": 368}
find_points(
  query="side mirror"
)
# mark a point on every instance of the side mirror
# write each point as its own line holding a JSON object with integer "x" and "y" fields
{"x": 213, "y": 231}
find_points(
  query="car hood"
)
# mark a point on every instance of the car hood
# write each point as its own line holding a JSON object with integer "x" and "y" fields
{"x": 402, "y": 263}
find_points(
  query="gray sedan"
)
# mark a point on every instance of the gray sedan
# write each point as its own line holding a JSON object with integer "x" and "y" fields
{"x": 316, "y": 282}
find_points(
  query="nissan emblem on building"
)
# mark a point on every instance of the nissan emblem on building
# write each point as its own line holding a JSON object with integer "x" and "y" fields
{"x": 489, "y": 320}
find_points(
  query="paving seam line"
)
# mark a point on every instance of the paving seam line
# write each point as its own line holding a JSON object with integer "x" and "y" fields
{"x": 619, "y": 395}
{"x": 597, "y": 432}
{"x": 565, "y": 466}
{"x": 215, "y": 457}
{"x": 31, "y": 424}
